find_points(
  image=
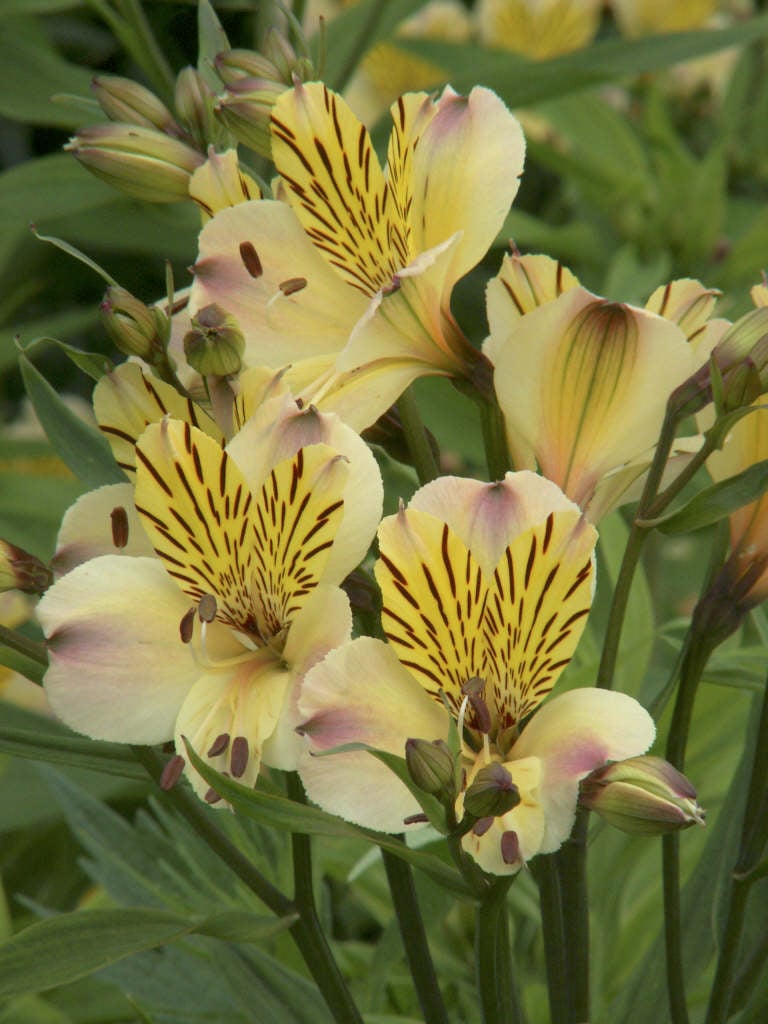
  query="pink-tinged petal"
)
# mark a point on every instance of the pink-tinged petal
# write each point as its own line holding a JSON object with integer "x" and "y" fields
{"x": 466, "y": 171}
{"x": 360, "y": 693}
{"x": 573, "y": 734}
{"x": 229, "y": 714}
{"x": 487, "y": 517}
{"x": 246, "y": 253}
{"x": 118, "y": 668}
{"x": 101, "y": 522}
{"x": 321, "y": 624}
{"x": 127, "y": 400}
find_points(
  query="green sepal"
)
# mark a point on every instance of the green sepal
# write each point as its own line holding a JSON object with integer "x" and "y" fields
{"x": 716, "y": 502}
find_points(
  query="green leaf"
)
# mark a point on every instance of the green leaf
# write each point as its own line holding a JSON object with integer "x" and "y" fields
{"x": 212, "y": 39}
{"x": 718, "y": 501}
{"x": 80, "y": 446}
{"x": 109, "y": 758}
{"x": 70, "y": 946}
{"x": 94, "y": 364}
{"x": 277, "y": 811}
{"x": 244, "y": 926}
{"x": 70, "y": 322}
{"x": 345, "y": 31}
{"x": 429, "y": 804}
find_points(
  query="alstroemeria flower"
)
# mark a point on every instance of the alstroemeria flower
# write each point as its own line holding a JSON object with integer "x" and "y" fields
{"x": 486, "y": 589}
{"x": 583, "y": 383}
{"x": 538, "y": 28}
{"x": 356, "y": 269}
{"x": 208, "y": 637}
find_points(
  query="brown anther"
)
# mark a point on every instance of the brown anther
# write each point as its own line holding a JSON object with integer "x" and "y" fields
{"x": 415, "y": 819}
{"x": 238, "y": 760}
{"x": 250, "y": 259}
{"x": 392, "y": 287}
{"x": 119, "y": 518}
{"x": 207, "y": 608}
{"x": 292, "y": 285}
{"x": 219, "y": 745}
{"x": 172, "y": 772}
{"x": 212, "y": 797}
{"x": 510, "y": 848}
{"x": 482, "y": 825}
{"x": 473, "y": 686}
{"x": 187, "y": 625}
{"x": 482, "y": 714}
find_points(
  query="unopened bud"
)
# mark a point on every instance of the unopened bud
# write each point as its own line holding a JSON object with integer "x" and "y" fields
{"x": 215, "y": 345}
{"x": 122, "y": 99}
{"x": 21, "y": 571}
{"x": 233, "y": 65}
{"x": 432, "y": 767}
{"x": 642, "y": 796}
{"x": 141, "y": 162}
{"x": 288, "y": 64}
{"x": 135, "y": 328}
{"x": 246, "y": 109}
{"x": 492, "y": 792}
{"x": 194, "y": 103}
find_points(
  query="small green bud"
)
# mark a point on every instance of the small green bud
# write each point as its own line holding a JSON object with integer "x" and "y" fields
{"x": 642, "y": 796}
{"x": 233, "y": 65}
{"x": 124, "y": 100}
{"x": 432, "y": 767}
{"x": 195, "y": 104}
{"x": 492, "y": 792}
{"x": 21, "y": 571}
{"x": 135, "y": 328}
{"x": 246, "y": 109}
{"x": 216, "y": 344}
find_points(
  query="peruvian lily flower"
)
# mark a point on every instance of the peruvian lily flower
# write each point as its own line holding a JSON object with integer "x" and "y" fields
{"x": 208, "y": 636}
{"x": 486, "y": 589}
{"x": 582, "y": 382}
{"x": 355, "y": 270}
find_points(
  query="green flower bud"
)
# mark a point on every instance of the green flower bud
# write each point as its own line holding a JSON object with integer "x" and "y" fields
{"x": 642, "y": 796}
{"x": 432, "y": 767}
{"x": 142, "y": 162}
{"x": 232, "y": 65}
{"x": 195, "y": 104}
{"x": 246, "y": 109}
{"x": 216, "y": 344}
{"x": 135, "y": 328}
{"x": 122, "y": 99}
{"x": 21, "y": 571}
{"x": 492, "y": 792}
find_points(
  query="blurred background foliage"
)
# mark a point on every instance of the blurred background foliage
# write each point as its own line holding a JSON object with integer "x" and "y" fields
{"x": 647, "y": 160}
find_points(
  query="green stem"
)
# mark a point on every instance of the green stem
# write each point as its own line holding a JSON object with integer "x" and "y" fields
{"x": 493, "y": 961}
{"x": 683, "y": 478}
{"x": 751, "y": 847}
{"x": 361, "y": 44}
{"x": 416, "y": 436}
{"x": 308, "y": 933}
{"x": 494, "y": 440}
{"x": 31, "y": 649}
{"x": 545, "y": 872}
{"x": 571, "y": 862}
{"x": 414, "y": 936}
{"x": 145, "y": 49}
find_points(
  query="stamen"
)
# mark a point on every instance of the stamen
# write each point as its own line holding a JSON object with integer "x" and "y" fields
{"x": 510, "y": 848}
{"x": 207, "y": 608}
{"x": 473, "y": 691}
{"x": 172, "y": 772}
{"x": 292, "y": 285}
{"x": 250, "y": 259}
{"x": 119, "y": 518}
{"x": 212, "y": 797}
{"x": 239, "y": 758}
{"x": 392, "y": 287}
{"x": 414, "y": 819}
{"x": 187, "y": 626}
{"x": 482, "y": 825}
{"x": 219, "y": 745}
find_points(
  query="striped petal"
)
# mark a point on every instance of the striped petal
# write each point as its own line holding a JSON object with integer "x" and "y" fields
{"x": 101, "y": 522}
{"x": 127, "y": 400}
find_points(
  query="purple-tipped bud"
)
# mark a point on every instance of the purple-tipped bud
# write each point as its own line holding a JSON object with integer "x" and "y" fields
{"x": 135, "y": 328}
{"x": 492, "y": 792}
{"x": 124, "y": 100}
{"x": 215, "y": 345}
{"x": 195, "y": 104}
{"x": 21, "y": 571}
{"x": 643, "y": 796}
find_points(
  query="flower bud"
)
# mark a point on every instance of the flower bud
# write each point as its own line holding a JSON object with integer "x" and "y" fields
{"x": 195, "y": 103}
{"x": 246, "y": 109}
{"x": 432, "y": 767}
{"x": 492, "y": 792}
{"x": 216, "y": 344}
{"x": 141, "y": 162}
{"x": 233, "y": 65}
{"x": 122, "y": 99}
{"x": 287, "y": 63}
{"x": 135, "y": 329}
{"x": 643, "y": 796}
{"x": 21, "y": 571}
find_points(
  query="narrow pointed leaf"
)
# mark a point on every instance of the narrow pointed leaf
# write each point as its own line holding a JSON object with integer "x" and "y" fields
{"x": 718, "y": 501}
{"x": 75, "y": 751}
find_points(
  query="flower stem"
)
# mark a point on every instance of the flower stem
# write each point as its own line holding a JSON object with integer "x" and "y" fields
{"x": 493, "y": 961}
{"x": 545, "y": 872}
{"x": 753, "y": 837}
{"x": 571, "y": 862}
{"x": 494, "y": 440}
{"x": 361, "y": 44}
{"x": 23, "y": 645}
{"x": 424, "y": 461}
{"x": 414, "y": 936}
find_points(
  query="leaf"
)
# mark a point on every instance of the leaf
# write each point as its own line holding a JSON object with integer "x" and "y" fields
{"x": 70, "y": 322}
{"x": 83, "y": 449}
{"x": 277, "y": 811}
{"x": 716, "y": 502}
{"x": 70, "y": 946}
{"x": 345, "y": 32}
{"x": 76, "y": 751}
{"x": 94, "y": 364}
{"x": 212, "y": 40}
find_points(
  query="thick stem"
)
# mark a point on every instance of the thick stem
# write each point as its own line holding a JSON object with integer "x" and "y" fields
{"x": 424, "y": 461}
{"x": 751, "y": 847}
{"x": 571, "y": 862}
{"x": 545, "y": 872}
{"x": 414, "y": 936}
{"x": 494, "y": 440}
{"x": 493, "y": 961}
{"x": 23, "y": 645}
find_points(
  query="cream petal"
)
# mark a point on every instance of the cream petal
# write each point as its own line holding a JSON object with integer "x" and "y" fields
{"x": 278, "y": 327}
{"x": 87, "y": 529}
{"x": 360, "y": 693}
{"x": 685, "y": 302}
{"x": 118, "y": 668}
{"x": 573, "y": 734}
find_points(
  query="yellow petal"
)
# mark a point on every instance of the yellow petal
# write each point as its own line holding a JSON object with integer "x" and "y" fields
{"x": 220, "y": 182}
{"x": 686, "y": 303}
{"x": 538, "y": 28}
